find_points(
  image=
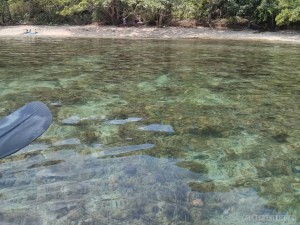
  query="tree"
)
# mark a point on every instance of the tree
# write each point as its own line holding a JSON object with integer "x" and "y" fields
{"x": 109, "y": 10}
{"x": 158, "y": 10}
{"x": 289, "y": 12}
{"x": 266, "y": 12}
{"x": 5, "y": 11}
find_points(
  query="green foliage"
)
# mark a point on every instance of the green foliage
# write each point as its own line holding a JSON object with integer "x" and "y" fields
{"x": 159, "y": 12}
{"x": 289, "y": 12}
{"x": 266, "y": 9}
{"x": 187, "y": 9}
{"x": 73, "y": 7}
{"x": 232, "y": 8}
{"x": 20, "y": 10}
{"x": 245, "y": 9}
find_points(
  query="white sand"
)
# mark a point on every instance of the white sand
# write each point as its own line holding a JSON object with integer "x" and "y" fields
{"x": 94, "y": 31}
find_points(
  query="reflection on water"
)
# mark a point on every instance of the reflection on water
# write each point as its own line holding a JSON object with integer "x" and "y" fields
{"x": 154, "y": 132}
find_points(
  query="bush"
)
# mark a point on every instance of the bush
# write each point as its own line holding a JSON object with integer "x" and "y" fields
{"x": 20, "y": 11}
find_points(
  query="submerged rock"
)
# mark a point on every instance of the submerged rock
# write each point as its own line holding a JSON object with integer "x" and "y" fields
{"x": 56, "y": 104}
{"x": 36, "y": 147}
{"x": 70, "y": 141}
{"x": 158, "y": 127}
{"x": 296, "y": 169}
{"x": 128, "y": 120}
{"x": 130, "y": 170}
{"x": 193, "y": 166}
{"x": 71, "y": 120}
{"x": 125, "y": 149}
{"x": 281, "y": 137}
{"x": 211, "y": 132}
{"x": 204, "y": 187}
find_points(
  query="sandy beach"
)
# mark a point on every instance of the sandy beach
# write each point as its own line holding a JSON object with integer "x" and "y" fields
{"x": 142, "y": 32}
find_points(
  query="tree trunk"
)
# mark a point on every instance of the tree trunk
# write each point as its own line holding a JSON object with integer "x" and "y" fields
{"x": 118, "y": 14}
{"x": 8, "y": 10}
{"x": 2, "y": 11}
{"x": 209, "y": 12}
{"x": 30, "y": 9}
{"x": 113, "y": 16}
{"x": 114, "y": 12}
{"x": 160, "y": 20}
{"x": 96, "y": 14}
{"x": 272, "y": 22}
{"x": 5, "y": 11}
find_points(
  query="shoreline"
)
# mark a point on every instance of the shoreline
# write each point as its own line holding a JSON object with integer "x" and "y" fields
{"x": 143, "y": 32}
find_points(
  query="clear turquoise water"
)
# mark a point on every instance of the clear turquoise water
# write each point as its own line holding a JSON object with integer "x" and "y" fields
{"x": 154, "y": 132}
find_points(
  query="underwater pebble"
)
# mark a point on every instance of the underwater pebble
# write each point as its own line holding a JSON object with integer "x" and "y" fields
{"x": 74, "y": 189}
{"x": 180, "y": 213}
{"x": 157, "y": 127}
{"x": 45, "y": 178}
{"x": 71, "y": 120}
{"x": 281, "y": 137}
{"x": 71, "y": 141}
{"x": 56, "y": 104}
{"x": 295, "y": 187}
{"x": 184, "y": 215}
{"x": 296, "y": 169}
{"x": 59, "y": 206}
{"x": 32, "y": 221}
{"x": 166, "y": 195}
{"x": 130, "y": 170}
{"x": 97, "y": 145}
{"x": 169, "y": 211}
{"x": 181, "y": 193}
{"x": 197, "y": 202}
{"x": 7, "y": 182}
{"x": 71, "y": 215}
{"x": 128, "y": 120}
{"x": 160, "y": 178}
{"x": 155, "y": 209}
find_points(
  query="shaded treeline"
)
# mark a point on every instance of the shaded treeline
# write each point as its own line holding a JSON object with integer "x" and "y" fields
{"x": 256, "y": 13}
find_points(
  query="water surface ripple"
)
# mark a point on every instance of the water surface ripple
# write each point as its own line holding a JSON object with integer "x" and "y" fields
{"x": 154, "y": 132}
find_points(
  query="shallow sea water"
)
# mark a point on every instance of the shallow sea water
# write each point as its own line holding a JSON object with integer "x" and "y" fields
{"x": 154, "y": 132}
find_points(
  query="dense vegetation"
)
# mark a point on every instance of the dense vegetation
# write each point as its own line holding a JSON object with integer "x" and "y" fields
{"x": 257, "y": 13}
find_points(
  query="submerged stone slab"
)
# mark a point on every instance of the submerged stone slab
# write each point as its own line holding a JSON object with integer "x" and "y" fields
{"x": 71, "y": 120}
{"x": 36, "y": 147}
{"x": 125, "y": 149}
{"x": 128, "y": 120}
{"x": 56, "y": 104}
{"x": 158, "y": 128}
{"x": 70, "y": 141}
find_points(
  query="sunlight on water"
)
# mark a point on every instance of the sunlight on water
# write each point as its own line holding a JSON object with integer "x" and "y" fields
{"x": 154, "y": 132}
